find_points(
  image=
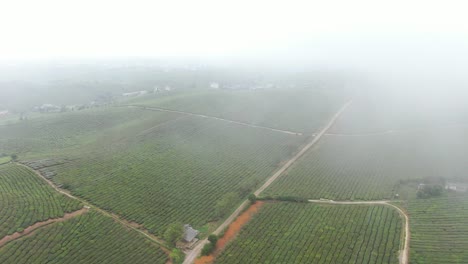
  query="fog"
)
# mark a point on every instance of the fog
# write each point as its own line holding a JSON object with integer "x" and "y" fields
{"x": 394, "y": 47}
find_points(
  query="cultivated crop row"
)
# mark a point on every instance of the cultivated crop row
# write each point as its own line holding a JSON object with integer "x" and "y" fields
{"x": 439, "y": 229}
{"x": 299, "y": 110}
{"x": 372, "y": 167}
{"x": 25, "y": 199}
{"x": 177, "y": 172}
{"x": 53, "y": 134}
{"x": 89, "y": 238}
{"x": 307, "y": 233}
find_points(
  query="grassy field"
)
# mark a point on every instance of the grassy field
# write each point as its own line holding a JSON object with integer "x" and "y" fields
{"x": 298, "y": 110}
{"x": 308, "y": 233}
{"x": 89, "y": 238}
{"x": 439, "y": 229}
{"x": 25, "y": 199}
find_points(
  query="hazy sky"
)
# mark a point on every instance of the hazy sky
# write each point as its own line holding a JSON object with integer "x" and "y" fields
{"x": 49, "y": 28}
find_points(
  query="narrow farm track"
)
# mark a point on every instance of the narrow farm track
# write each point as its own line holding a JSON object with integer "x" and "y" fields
{"x": 115, "y": 217}
{"x": 404, "y": 253}
{"x": 193, "y": 254}
{"x": 213, "y": 117}
{"x": 362, "y": 134}
{"x": 28, "y": 230}
{"x": 397, "y": 131}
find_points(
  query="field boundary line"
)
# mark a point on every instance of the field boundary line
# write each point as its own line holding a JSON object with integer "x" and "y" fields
{"x": 404, "y": 250}
{"x": 213, "y": 117}
{"x": 151, "y": 237}
{"x": 192, "y": 255}
{"x": 34, "y": 227}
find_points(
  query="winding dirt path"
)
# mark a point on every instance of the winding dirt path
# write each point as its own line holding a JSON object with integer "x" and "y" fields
{"x": 214, "y": 117}
{"x": 404, "y": 252}
{"x": 125, "y": 223}
{"x": 37, "y": 225}
{"x": 193, "y": 254}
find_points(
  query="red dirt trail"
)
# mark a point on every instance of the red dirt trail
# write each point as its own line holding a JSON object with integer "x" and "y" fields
{"x": 231, "y": 232}
{"x": 37, "y": 225}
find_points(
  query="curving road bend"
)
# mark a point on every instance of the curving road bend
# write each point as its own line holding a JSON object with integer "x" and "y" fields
{"x": 404, "y": 253}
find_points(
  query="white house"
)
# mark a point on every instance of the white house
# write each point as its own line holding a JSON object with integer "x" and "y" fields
{"x": 458, "y": 187}
{"x": 214, "y": 85}
{"x": 138, "y": 93}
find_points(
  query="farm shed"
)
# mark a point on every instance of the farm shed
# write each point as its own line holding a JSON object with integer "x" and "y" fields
{"x": 189, "y": 233}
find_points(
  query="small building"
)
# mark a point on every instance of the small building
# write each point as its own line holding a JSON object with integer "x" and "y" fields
{"x": 189, "y": 233}
{"x": 457, "y": 187}
{"x": 214, "y": 85}
{"x": 48, "y": 108}
{"x": 167, "y": 88}
{"x": 138, "y": 93}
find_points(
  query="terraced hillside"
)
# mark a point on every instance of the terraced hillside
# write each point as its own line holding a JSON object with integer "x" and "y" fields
{"x": 309, "y": 233}
{"x": 25, "y": 199}
{"x": 89, "y": 238}
{"x": 298, "y": 110}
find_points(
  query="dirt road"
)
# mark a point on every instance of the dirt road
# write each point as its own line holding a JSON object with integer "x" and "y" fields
{"x": 216, "y": 118}
{"x": 404, "y": 252}
{"x": 115, "y": 217}
{"x": 192, "y": 255}
{"x": 28, "y": 230}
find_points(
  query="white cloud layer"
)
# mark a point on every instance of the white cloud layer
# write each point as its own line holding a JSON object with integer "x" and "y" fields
{"x": 50, "y": 28}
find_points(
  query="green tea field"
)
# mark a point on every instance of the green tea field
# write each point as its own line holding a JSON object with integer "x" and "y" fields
{"x": 89, "y": 238}
{"x": 439, "y": 227}
{"x": 274, "y": 108}
{"x": 25, "y": 199}
{"x": 308, "y": 233}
